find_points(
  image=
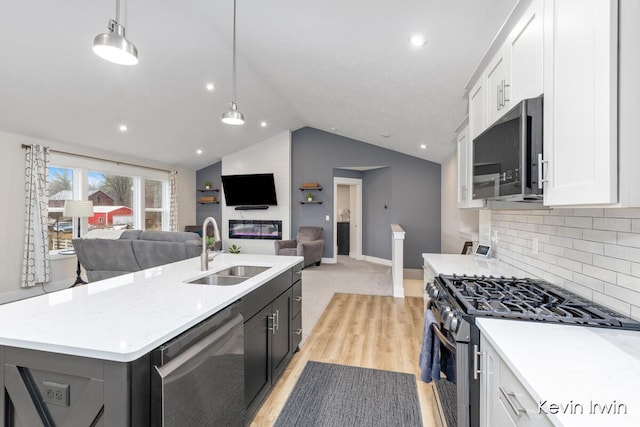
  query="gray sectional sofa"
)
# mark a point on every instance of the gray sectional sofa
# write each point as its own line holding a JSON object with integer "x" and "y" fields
{"x": 135, "y": 250}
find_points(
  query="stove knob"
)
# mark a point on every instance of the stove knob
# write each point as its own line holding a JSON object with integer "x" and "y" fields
{"x": 446, "y": 318}
{"x": 455, "y": 324}
{"x": 432, "y": 291}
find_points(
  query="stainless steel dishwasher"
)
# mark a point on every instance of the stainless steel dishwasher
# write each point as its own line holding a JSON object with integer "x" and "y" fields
{"x": 197, "y": 378}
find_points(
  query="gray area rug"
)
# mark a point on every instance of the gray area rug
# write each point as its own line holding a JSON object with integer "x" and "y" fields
{"x": 330, "y": 395}
{"x": 348, "y": 276}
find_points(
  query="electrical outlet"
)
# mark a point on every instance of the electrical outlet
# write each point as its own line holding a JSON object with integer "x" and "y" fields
{"x": 327, "y": 218}
{"x": 534, "y": 246}
{"x": 55, "y": 393}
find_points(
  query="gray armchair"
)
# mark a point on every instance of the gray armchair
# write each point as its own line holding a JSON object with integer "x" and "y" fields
{"x": 309, "y": 243}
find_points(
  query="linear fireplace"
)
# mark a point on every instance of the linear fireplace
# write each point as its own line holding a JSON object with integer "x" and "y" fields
{"x": 255, "y": 229}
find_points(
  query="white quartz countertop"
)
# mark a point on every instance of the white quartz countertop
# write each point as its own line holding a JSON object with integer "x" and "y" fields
{"x": 570, "y": 365}
{"x": 470, "y": 265}
{"x": 122, "y": 318}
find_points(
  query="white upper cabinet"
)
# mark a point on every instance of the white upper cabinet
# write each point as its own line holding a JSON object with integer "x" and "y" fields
{"x": 465, "y": 166}
{"x": 498, "y": 82}
{"x": 580, "y": 102}
{"x": 477, "y": 110}
{"x": 525, "y": 43}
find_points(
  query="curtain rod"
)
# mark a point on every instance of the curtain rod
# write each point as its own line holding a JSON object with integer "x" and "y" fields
{"x": 27, "y": 147}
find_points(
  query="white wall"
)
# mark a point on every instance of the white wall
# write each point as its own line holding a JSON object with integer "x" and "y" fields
{"x": 12, "y": 212}
{"x": 593, "y": 252}
{"x": 454, "y": 220}
{"x": 270, "y": 156}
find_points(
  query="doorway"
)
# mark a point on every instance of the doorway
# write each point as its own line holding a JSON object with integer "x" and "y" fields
{"x": 347, "y": 217}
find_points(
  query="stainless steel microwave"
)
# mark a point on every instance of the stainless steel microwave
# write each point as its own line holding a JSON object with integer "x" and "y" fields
{"x": 505, "y": 156}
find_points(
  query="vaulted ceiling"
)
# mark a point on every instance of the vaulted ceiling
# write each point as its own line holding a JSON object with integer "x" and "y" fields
{"x": 340, "y": 66}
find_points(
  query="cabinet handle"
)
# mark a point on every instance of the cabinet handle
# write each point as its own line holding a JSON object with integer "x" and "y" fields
{"x": 298, "y": 272}
{"x": 518, "y": 410}
{"x": 498, "y": 98}
{"x": 541, "y": 178}
{"x": 504, "y": 93}
{"x": 277, "y": 320}
{"x": 298, "y": 332}
{"x": 273, "y": 323}
{"x": 476, "y": 357}
{"x": 297, "y": 299}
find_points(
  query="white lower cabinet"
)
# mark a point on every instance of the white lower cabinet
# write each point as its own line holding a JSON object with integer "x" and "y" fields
{"x": 503, "y": 399}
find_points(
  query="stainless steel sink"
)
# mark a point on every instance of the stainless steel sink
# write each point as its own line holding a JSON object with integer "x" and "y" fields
{"x": 217, "y": 280}
{"x": 242, "y": 271}
{"x": 229, "y": 276}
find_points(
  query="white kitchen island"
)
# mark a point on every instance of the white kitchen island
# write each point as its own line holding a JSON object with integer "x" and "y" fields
{"x": 93, "y": 343}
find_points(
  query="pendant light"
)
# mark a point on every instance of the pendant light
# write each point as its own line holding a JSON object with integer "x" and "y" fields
{"x": 233, "y": 116}
{"x": 113, "y": 46}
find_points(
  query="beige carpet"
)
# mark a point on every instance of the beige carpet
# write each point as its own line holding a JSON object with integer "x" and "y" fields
{"x": 348, "y": 276}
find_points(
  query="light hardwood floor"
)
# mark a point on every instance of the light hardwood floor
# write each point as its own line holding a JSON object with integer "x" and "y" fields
{"x": 360, "y": 330}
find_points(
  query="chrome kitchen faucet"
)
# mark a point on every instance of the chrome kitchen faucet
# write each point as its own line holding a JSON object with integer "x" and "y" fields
{"x": 204, "y": 257}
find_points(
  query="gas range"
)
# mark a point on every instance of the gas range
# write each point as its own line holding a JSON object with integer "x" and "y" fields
{"x": 529, "y": 299}
{"x": 457, "y": 301}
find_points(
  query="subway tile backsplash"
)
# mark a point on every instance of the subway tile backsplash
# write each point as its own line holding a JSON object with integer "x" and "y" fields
{"x": 592, "y": 252}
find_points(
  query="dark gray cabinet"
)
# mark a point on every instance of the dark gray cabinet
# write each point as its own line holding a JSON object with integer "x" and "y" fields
{"x": 43, "y": 388}
{"x": 270, "y": 337}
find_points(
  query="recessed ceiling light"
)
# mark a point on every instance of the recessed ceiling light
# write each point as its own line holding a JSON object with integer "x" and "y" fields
{"x": 423, "y": 146}
{"x": 385, "y": 135}
{"x": 417, "y": 40}
{"x": 198, "y": 151}
{"x": 263, "y": 124}
{"x": 123, "y": 128}
{"x": 334, "y": 129}
{"x": 210, "y": 87}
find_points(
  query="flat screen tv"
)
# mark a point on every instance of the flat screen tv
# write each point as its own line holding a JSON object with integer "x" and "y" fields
{"x": 249, "y": 190}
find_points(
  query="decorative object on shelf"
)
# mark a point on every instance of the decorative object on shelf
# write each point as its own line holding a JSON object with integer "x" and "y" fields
{"x": 207, "y": 185}
{"x": 233, "y": 116}
{"x": 113, "y": 46}
{"x": 310, "y": 197}
{"x": 208, "y": 199}
{"x": 78, "y": 209}
{"x": 311, "y": 186}
{"x": 233, "y": 249}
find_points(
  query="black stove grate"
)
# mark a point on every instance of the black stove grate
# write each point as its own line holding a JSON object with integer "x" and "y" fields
{"x": 529, "y": 299}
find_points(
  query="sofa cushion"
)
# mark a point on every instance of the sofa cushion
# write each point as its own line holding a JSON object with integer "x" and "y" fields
{"x": 106, "y": 254}
{"x": 165, "y": 236}
{"x": 149, "y": 253}
{"x": 131, "y": 234}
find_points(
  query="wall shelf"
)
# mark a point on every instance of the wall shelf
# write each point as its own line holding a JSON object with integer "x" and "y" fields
{"x": 318, "y": 188}
{"x": 202, "y": 190}
{"x": 313, "y": 202}
{"x": 209, "y": 203}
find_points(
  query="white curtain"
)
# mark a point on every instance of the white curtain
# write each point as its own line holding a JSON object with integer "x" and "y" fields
{"x": 35, "y": 264}
{"x": 173, "y": 200}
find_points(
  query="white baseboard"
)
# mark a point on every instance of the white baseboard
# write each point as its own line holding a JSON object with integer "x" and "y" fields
{"x": 329, "y": 261}
{"x": 375, "y": 260}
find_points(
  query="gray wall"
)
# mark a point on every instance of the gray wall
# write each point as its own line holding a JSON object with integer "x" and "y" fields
{"x": 409, "y": 188}
{"x": 212, "y": 174}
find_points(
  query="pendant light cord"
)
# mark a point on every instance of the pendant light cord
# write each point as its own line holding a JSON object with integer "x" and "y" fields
{"x": 233, "y": 80}
{"x": 118, "y": 11}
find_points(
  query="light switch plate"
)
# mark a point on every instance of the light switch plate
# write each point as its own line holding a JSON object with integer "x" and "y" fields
{"x": 327, "y": 218}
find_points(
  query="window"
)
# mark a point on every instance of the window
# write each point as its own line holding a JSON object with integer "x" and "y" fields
{"x": 123, "y": 197}
{"x": 153, "y": 204}
{"x": 60, "y": 189}
{"x": 112, "y": 197}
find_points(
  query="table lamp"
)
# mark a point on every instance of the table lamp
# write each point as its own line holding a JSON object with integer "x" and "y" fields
{"x": 78, "y": 209}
